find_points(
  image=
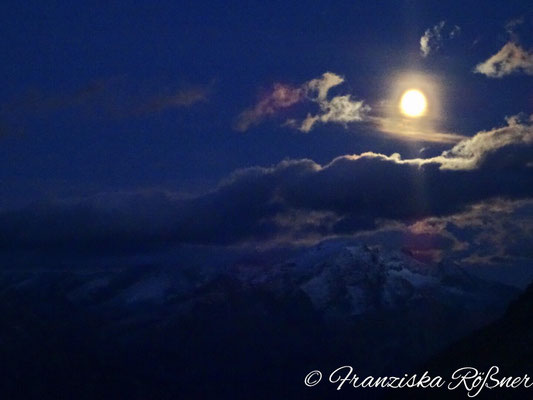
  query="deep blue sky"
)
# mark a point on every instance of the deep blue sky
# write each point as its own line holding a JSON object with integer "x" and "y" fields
{"x": 119, "y": 119}
{"x": 56, "y": 49}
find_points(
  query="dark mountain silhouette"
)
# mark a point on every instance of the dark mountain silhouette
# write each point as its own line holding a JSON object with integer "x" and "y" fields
{"x": 506, "y": 343}
{"x": 251, "y": 330}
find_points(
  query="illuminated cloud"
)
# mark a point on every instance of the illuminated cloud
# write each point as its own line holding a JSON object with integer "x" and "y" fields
{"x": 510, "y": 59}
{"x": 339, "y": 109}
{"x": 323, "y": 84}
{"x": 471, "y": 153}
{"x": 416, "y": 131}
{"x": 432, "y": 38}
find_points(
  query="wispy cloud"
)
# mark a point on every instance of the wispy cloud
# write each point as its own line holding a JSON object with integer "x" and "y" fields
{"x": 511, "y": 58}
{"x": 411, "y": 130}
{"x": 433, "y": 37}
{"x": 281, "y": 96}
{"x": 38, "y": 102}
{"x": 512, "y": 25}
{"x": 339, "y": 109}
{"x": 180, "y": 98}
{"x": 106, "y": 98}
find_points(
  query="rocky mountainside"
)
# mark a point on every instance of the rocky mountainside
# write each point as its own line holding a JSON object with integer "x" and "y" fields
{"x": 251, "y": 329}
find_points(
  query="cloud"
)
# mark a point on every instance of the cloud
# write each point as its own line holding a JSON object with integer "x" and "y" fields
{"x": 412, "y": 130}
{"x": 456, "y": 31}
{"x": 350, "y": 193}
{"x": 280, "y": 97}
{"x": 323, "y": 84}
{"x": 106, "y": 98}
{"x": 37, "y": 102}
{"x": 433, "y": 37}
{"x": 471, "y": 153}
{"x": 339, "y": 109}
{"x": 512, "y": 25}
{"x": 496, "y": 232}
{"x": 178, "y": 99}
{"x": 499, "y": 231}
{"x": 510, "y": 59}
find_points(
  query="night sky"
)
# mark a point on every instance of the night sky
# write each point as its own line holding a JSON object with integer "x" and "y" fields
{"x": 133, "y": 128}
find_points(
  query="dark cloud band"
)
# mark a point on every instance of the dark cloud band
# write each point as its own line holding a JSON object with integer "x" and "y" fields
{"x": 256, "y": 203}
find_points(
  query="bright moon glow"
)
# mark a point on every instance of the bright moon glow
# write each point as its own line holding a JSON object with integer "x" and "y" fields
{"x": 413, "y": 103}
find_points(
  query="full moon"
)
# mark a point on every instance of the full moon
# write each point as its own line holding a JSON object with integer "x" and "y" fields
{"x": 413, "y": 103}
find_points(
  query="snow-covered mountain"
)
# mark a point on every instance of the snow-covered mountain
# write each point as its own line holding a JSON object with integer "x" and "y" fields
{"x": 245, "y": 323}
{"x": 346, "y": 278}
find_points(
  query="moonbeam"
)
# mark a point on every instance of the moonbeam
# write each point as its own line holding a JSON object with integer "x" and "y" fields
{"x": 344, "y": 375}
